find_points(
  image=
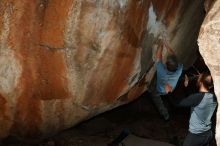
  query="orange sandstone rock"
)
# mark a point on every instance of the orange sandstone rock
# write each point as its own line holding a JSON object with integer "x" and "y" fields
{"x": 64, "y": 61}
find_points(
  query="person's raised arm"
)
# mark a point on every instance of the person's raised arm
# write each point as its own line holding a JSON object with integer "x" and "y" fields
{"x": 159, "y": 55}
{"x": 169, "y": 49}
{"x": 191, "y": 100}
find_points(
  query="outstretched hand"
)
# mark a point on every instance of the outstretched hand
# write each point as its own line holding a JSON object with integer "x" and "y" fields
{"x": 159, "y": 50}
{"x": 186, "y": 80}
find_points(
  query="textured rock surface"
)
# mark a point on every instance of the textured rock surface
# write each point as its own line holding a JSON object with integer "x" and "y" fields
{"x": 209, "y": 45}
{"x": 64, "y": 61}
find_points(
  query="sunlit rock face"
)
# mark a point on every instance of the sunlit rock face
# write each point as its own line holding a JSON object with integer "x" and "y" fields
{"x": 209, "y": 45}
{"x": 64, "y": 61}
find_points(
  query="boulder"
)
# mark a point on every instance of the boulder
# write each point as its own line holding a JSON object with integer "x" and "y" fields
{"x": 209, "y": 46}
{"x": 64, "y": 61}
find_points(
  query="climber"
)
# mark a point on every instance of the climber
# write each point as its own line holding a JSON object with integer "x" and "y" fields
{"x": 166, "y": 74}
{"x": 203, "y": 105}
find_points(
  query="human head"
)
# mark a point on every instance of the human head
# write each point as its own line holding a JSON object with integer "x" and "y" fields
{"x": 172, "y": 63}
{"x": 205, "y": 79}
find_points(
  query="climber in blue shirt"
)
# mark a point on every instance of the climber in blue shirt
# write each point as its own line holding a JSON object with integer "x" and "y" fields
{"x": 166, "y": 74}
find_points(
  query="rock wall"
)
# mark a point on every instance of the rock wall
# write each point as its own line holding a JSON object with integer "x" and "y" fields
{"x": 209, "y": 45}
{"x": 64, "y": 61}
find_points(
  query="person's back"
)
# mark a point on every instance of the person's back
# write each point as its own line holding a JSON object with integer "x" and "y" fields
{"x": 203, "y": 105}
{"x": 200, "y": 120}
{"x": 165, "y": 76}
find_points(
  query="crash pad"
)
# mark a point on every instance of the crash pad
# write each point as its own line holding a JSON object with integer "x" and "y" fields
{"x": 132, "y": 140}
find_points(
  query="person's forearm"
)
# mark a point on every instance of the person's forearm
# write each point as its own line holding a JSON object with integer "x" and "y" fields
{"x": 170, "y": 51}
{"x": 159, "y": 52}
{"x": 191, "y": 100}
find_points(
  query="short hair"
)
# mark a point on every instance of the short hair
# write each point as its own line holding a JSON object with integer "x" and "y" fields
{"x": 172, "y": 63}
{"x": 206, "y": 80}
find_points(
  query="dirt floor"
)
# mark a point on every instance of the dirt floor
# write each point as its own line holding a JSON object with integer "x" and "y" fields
{"x": 140, "y": 117}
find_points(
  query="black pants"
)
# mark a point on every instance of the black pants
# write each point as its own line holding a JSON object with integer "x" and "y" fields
{"x": 201, "y": 139}
{"x": 157, "y": 100}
